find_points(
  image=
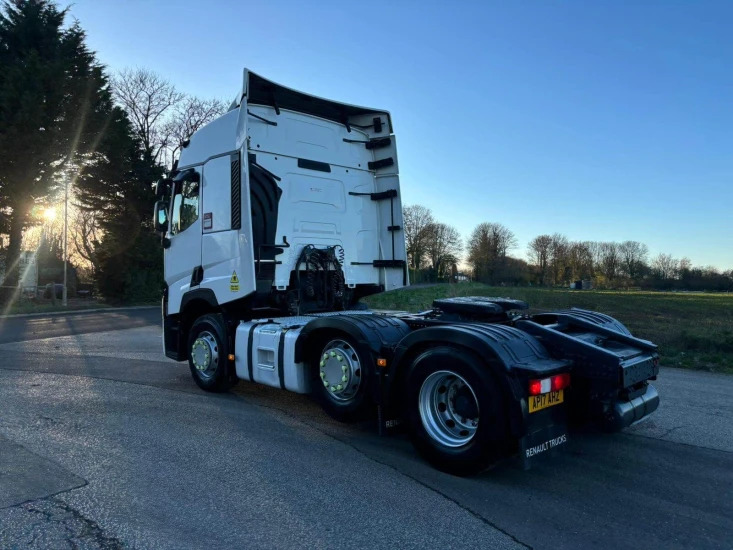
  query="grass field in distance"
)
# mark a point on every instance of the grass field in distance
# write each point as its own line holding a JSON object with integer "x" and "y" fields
{"x": 692, "y": 330}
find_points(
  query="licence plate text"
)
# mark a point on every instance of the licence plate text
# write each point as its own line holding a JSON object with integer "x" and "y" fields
{"x": 542, "y": 401}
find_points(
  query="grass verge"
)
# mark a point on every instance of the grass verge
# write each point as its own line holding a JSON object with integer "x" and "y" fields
{"x": 693, "y": 331}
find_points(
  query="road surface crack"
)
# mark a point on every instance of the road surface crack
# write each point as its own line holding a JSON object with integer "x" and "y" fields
{"x": 665, "y": 434}
{"x": 51, "y": 520}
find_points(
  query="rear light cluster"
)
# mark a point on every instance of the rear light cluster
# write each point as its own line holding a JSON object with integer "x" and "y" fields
{"x": 546, "y": 385}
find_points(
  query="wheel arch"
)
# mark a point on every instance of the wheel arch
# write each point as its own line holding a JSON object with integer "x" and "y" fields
{"x": 496, "y": 346}
{"x": 373, "y": 335}
{"x": 194, "y": 304}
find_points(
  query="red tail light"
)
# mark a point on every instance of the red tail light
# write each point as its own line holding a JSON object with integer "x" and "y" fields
{"x": 546, "y": 385}
{"x": 535, "y": 387}
{"x": 560, "y": 381}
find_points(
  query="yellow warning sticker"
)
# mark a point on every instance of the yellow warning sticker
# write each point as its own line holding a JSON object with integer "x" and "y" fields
{"x": 234, "y": 282}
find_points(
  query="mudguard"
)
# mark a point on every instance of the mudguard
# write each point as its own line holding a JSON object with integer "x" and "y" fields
{"x": 589, "y": 319}
{"x": 513, "y": 355}
{"x": 376, "y": 334}
{"x": 612, "y": 368}
{"x": 598, "y": 344}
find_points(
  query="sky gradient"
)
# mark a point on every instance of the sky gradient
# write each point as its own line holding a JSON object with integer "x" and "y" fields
{"x": 599, "y": 120}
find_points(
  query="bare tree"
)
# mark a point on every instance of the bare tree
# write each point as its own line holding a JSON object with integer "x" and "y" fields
{"x": 188, "y": 116}
{"x": 684, "y": 266}
{"x": 665, "y": 267}
{"x": 610, "y": 260}
{"x": 418, "y": 220}
{"x": 684, "y": 272}
{"x": 487, "y": 247}
{"x": 595, "y": 250}
{"x": 580, "y": 260}
{"x": 558, "y": 257}
{"x": 633, "y": 258}
{"x": 444, "y": 247}
{"x": 538, "y": 252}
{"x": 149, "y": 100}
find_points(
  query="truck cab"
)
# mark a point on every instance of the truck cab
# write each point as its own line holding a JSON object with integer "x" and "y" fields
{"x": 287, "y": 203}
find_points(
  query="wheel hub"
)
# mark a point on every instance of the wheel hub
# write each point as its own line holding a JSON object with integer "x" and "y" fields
{"x": 340, "y": 370}
{"x": 448, "y": 408}
{"x": 464, "y": 404}
{"x": 205, "y": 354}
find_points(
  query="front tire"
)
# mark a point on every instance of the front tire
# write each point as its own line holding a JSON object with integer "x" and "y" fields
{"x": 341, "y": 378}
{"x": 455, "y": 411}
{"x": 208, "y": 351}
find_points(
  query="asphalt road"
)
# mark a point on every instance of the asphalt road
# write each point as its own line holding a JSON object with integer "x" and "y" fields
{"x": 17, "y": 328}
{"x": 104, "y": 444}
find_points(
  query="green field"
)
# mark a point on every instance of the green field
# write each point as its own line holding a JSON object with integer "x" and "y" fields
{"x": 692, "y": 330}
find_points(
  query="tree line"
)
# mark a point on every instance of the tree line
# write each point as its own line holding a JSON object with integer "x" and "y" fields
{"x": 66, "y": 121}
{"x": 551, "y": 259}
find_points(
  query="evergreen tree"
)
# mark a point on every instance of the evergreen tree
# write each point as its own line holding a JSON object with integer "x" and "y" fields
{"x": 54, "y": 106}
{"x": 118, "y": 186}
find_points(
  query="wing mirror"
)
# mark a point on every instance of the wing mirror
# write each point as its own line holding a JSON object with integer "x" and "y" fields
{"x": 160, "y": 217}
{"x": 163, "y": 187}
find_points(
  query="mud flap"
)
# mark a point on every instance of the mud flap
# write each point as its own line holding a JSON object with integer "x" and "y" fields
{"x": 541, "y": 445}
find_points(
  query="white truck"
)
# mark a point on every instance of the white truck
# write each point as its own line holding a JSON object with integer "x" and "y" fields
{"x": 283, "y": 213}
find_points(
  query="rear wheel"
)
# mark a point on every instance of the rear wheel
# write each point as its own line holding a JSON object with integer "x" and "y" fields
{"x": 208, "y": 351}
{"x": 340, "y": 378}
{"x": 455, "y": 411}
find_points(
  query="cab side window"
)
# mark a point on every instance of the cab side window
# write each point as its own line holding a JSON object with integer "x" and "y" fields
{"x": 185, "y": 205}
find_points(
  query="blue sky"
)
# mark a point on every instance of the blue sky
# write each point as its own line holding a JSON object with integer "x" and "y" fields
{"x": 600, "y": 120}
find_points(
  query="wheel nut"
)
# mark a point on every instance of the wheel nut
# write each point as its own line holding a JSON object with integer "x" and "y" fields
{"x": 344, "y": 368}
{"x": 339, "y": 357}
{"x": 333, "y": 388}
{"x": 339, "y": 387}
{"x": 344, "y": 378}
{"x": 333, "y": 354}
{"x": 323, "y": 375}
{"x": 325, "y": 383}
{"x": 323, "y": 363}
{"x": 325, "y": 356}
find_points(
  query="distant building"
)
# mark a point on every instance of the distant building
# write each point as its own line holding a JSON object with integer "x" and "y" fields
{"x": 581, "y": 285}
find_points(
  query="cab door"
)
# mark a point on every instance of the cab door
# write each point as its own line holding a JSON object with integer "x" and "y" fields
{"x": 183, "y": 256}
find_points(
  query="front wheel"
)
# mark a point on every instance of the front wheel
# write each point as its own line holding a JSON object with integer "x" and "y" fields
{"x": 208, "y": 351}
{"x": 455, "y": 411}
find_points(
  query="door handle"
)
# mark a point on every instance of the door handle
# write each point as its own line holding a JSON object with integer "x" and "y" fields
{"x": 197, "y": 276}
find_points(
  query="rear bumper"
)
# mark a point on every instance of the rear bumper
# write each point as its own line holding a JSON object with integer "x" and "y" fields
{"x": 547, "y": 431}
{"x": 626, "y": 413}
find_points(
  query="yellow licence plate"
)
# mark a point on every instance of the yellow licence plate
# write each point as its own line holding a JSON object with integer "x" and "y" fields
{"x": 539, "y": 402}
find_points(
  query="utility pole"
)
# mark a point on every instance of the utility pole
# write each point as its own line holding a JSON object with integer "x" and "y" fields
{"x": 66, "y": 239}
